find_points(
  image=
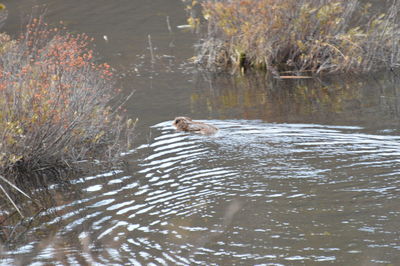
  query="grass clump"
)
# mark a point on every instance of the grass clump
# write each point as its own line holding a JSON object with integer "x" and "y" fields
{"x": 299, "y": 36}
{"x": 55, "y": 103}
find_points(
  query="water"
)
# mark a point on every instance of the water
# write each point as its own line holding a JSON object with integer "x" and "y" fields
{"x": 301, "y": 172}
{"x": 254, "y": 193}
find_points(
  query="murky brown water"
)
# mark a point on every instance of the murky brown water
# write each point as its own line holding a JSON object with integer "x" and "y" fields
{"x": 301, "y": 172}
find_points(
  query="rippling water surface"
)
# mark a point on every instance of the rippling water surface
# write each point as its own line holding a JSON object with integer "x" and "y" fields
{"x": 254, "y": 193}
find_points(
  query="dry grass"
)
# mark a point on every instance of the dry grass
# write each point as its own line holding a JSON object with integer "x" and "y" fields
{"x": 55, "y": 104}
{"x": 318, "y": 36}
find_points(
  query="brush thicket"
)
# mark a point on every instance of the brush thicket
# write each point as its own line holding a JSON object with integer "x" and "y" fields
{"x": 55, "y": 104}
{"x": 318, "y": 36}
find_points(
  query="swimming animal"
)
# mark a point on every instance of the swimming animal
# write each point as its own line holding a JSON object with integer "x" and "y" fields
{"x": 186, "y": 124}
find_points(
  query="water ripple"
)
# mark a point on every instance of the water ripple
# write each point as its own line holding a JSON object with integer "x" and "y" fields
{"x": 254, "y": 193}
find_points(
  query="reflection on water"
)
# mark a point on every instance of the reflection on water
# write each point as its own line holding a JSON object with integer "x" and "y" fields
{"x": 339, "y": 100}
{"x": 254, "y": 193}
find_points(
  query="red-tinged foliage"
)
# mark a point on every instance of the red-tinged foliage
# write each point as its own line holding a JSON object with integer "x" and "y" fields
{"x": 54, "y": 102}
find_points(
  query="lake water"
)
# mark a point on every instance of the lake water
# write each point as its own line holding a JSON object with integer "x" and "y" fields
{"x": 300, "y": 172}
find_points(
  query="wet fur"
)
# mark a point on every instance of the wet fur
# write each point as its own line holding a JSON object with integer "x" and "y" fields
{"x": 188, "y": 125}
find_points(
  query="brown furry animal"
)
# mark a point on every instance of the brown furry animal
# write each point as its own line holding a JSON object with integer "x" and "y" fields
{"x": 188, "y": 125}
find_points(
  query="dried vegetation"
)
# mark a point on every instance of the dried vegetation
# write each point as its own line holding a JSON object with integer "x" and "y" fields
{"x": 317, "y": 36}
